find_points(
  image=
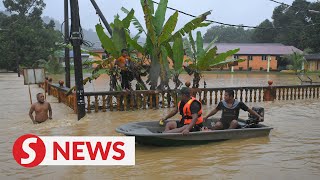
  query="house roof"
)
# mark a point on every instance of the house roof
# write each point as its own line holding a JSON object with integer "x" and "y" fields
{"x": 250, "y": 48}
{"x": 312, "y": 57}
{"x": 256, "y": 48}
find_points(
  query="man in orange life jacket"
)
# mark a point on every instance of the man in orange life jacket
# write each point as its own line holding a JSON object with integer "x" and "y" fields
{"x": 122, "y": 62}
{"x": 230, "y": 112}
{"x": 191, "y": 111}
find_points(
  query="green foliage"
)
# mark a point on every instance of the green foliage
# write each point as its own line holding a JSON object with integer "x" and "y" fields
{"x": 160, "y": 16}
{"x": 135, "y": 21}
{"x": 178, "y": 54}
{"x": 51, "y": 66}
{"x": 301, "y": 34}
{"x": 228, "y": 34}
{"x": 192, "y": 25}
{"x": 26, "y": 37}
{"x": 159, "y": 36}
{"x": 297, "y": 61}
{"x": 107, "y": 42}
{"x": 203, "y": 59}
{"x": 267, "y": 35}
{"x": 168, "y": 28}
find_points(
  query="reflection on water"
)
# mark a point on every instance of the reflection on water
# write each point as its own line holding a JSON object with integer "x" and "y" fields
{"x": 292, "y": 151}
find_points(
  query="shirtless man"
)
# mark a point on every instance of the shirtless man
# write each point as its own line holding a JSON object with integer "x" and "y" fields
{"x": 41, "y": 108}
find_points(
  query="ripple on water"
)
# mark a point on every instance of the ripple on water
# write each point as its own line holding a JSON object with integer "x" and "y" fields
{"x": 292, "y": 150}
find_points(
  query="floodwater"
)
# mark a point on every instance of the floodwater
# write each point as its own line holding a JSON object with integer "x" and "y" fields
{"x": 292, "y": 150}
{"x": 212, "y": 80}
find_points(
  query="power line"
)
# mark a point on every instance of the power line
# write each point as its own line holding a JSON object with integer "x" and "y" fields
{"x": 282, "y": 3}
{"x": 234, "y": 25}
{"x": 288, "y": 5}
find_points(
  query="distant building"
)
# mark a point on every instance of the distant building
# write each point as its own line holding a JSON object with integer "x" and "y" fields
{"x": 84, "y": 57}
{"x": 313, "y": 62}
{"x": 256, "y": 54}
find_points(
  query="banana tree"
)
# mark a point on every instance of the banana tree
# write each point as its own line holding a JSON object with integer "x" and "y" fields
{"x": 202, "y": 59}
{"x": 113, "y": 45}
{"x": 297, "y": 61}
{"x": 159, "y": 34}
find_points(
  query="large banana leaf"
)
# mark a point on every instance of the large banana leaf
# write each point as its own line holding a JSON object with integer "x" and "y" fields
{"x": 119, "y": 35}
{"x": 178, "y": 53}
{"x": 205, "y": 61}
{"x": 192, "y": 25}
{"x": 127, "y": 20}
{"x": 223, "y": 56}
{"x": 168, "y": 28}
{"x": 169, "y": 49}
{"x": 106, "y": 41}
{"x": 160, "y": 15}
{"x": 149, "y": 22}
{"x": 211, "y": 44}
{"x": 135, "y": 22}
{"x": 200, "y": 50}
{"x": 165, "y": 64}
{"x": 149, "y": 3}
{"x": 228, "y": 61}
{"x": 134, "y": 43}
{"x": 192, "y": 44}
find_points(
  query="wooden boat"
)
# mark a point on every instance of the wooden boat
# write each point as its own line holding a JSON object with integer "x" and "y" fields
{"x": 149, "y": 133}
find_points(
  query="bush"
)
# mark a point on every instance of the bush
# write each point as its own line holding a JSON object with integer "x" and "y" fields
{"x": 240, "y": 68}
{"x": 261, "y": 68}
{"x": 250, "y": 69}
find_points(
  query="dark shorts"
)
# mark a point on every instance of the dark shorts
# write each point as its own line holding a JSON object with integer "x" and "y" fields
{"x": 197, "y": 127}
{"x": 226, "y": 124}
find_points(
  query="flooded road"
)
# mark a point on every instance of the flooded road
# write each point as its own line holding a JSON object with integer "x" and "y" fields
{"x": 292, "y": 151}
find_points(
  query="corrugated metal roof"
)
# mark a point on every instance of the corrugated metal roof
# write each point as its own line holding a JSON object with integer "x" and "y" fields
{"x": 257, "y": 48}
{"x": 312, "y": 57}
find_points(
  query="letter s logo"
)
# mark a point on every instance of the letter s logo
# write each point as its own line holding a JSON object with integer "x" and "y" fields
{"x": 26, "y": 148}
{"x": 29, "y": 150}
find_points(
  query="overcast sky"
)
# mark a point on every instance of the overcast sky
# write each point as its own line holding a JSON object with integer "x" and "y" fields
{"x": 247, "y": 12}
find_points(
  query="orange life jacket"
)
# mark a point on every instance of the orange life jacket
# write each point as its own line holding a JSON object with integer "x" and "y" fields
{"x": 187, "y": 116}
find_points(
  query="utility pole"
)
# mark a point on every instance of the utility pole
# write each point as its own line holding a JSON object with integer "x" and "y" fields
{"x": 76, "y": 41}
{"x": 18, "y": 57}
{"x": 66, "y": 40}
{"x": 98, "y": 11}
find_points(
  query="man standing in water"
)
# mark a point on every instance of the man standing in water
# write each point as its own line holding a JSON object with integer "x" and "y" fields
{"x": 41, "y": 109}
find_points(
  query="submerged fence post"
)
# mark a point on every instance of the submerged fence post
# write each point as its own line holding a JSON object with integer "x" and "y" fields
{"x": 269, "y": 93}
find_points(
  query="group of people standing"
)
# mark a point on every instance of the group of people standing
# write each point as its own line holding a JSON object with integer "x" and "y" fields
{"x": 192, "y": 119}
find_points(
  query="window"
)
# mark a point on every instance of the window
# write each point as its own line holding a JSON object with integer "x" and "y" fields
{"x": 250, "y": 58}
{"x": 264, "y": 58}
{"x": 235, "y": 56}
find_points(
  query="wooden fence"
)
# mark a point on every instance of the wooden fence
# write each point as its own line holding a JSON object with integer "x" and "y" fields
{"x": 136, "y": 100}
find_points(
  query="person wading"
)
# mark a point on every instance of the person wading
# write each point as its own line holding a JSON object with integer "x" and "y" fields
{"x": 190, "y": 110}
{"x": 41, "y": 109}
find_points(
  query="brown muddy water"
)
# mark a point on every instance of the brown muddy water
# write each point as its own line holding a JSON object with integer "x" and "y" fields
{"x": 292, "y": 150}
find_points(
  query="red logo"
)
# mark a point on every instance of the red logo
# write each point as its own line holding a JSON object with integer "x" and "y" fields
{"x": 29, "y": 150}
